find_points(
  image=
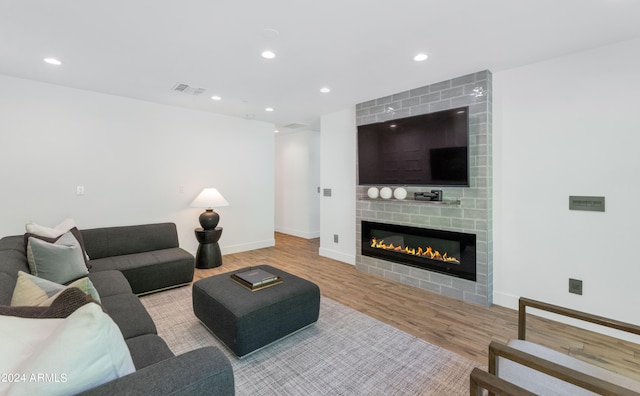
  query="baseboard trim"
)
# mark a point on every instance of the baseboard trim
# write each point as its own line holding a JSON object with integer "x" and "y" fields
{"x": 505, "y": 300}
{"x": 244, "y": 247}
{"x": 339, "y": 256}
{"x": 298, "y": 233}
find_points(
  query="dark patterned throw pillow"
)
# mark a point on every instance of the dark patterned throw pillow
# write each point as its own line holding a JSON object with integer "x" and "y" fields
{"x": 64, "y": 305}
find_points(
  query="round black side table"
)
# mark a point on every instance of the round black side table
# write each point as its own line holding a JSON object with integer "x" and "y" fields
{"x": 208, "y": 255}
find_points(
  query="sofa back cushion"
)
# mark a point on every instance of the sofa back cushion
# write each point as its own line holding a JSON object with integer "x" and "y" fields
{"x": 117, "y": 241}
{"x": 12, "y": 260}
{"x": 7, "y": 284}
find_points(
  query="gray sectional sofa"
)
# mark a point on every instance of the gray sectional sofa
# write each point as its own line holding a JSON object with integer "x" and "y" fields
{"x": 126, "y": 261}
{"x": 147, "y": 255}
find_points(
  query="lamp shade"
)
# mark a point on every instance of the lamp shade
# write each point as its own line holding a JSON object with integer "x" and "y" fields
{"x": 209, "y": 198}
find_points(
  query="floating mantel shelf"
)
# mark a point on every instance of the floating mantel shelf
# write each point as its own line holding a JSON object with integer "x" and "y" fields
{"x": 414, "y": 201}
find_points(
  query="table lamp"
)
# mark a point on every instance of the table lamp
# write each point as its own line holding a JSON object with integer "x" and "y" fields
{"x": 209, "y": 198}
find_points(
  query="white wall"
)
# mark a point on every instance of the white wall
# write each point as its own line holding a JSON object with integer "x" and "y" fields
{"x": 297, "y": 178}
{"x": 569, "y": 126}
{"x": 338, "y": 173}
{"x": 139, "y": 162}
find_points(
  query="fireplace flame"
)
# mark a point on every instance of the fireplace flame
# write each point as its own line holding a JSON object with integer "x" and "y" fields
{"x": 429, "y": 252}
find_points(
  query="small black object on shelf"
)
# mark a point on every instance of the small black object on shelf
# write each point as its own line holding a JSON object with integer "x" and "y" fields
{"x": 434, "y": 195}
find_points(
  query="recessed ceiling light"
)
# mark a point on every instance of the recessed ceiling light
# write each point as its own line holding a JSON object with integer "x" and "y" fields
{"x": 420, "y": 57}
{"x": 325, "y": 90}
{"x": 275, "y": 131}
{"x": 268, "y": 54}
{"x": 216, "y": 97}
{"x": 268, "y": 109}
{"x": 52, "y": 61}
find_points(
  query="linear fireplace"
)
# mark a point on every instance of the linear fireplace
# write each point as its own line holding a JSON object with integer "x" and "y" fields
{"x": 448, "y": 252}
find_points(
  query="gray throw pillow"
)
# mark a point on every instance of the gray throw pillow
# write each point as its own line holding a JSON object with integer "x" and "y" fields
{"x": 76, "y": 233}
{"x": 60, "y": 262}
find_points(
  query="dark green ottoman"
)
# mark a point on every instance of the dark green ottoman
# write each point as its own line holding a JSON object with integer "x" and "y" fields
{"x": 247, "y": 320}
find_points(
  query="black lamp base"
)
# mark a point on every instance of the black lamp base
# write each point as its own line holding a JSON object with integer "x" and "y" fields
{"x": 209, "y": 219}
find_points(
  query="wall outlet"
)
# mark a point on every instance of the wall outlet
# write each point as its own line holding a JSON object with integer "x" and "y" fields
{"x": 79, "y": 190}
{"x": 335, "y": 238}
{"x": 575, "y": 286}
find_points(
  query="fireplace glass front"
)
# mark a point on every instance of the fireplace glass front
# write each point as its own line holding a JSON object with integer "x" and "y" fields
{"x": 448, "y": 252}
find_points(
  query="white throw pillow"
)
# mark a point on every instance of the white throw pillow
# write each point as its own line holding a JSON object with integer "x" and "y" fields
{"x": 48, "y": 232}
{"x": 33, "y": 291}
{"x": 62, "y": 356}
{"x": 60, "y": 262}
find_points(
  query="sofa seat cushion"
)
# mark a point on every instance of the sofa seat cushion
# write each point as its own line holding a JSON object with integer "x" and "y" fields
{"x": 150, "y": 271}
{"x": 148, "y": 349}
{"x": 77, "y": 353}
{"x": 129, "y": 314}
{"x": 544, "y": 384}
{"x": 110, "y": 283}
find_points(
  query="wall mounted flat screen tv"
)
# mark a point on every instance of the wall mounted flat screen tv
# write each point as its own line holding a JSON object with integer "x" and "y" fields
{"x": 424, "y": 150}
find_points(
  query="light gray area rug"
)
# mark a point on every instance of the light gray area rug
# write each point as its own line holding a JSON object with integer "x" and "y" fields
{"x": 344, "y": 353}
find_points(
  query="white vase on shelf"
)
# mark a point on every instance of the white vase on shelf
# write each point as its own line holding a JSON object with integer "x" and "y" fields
{"x": 373, "y": 192}
{"x": 385, "y": 193}
{"x": 399, "y": 193}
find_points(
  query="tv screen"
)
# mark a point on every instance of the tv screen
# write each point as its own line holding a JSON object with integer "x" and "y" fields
{"x": 425, "y": 150}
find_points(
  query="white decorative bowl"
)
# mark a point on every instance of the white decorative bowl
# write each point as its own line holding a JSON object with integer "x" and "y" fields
{"x": 373, "y": 192}
{"x": 400, "y": 193}
{"x": 385, "y": 193}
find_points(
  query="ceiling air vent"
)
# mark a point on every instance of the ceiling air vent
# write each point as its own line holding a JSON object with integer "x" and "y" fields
{"x": 180, "y": 87}
{"x": 186, "y": 89}
{"x": 295, "y": 125}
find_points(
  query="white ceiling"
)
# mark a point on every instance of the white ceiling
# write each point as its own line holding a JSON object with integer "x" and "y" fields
{"x": 361, "y": 49}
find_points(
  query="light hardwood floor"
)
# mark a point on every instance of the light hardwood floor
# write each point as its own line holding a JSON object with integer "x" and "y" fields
{"x": 461, "y": 327}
